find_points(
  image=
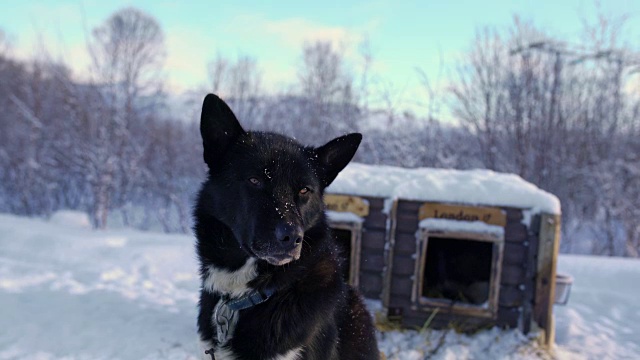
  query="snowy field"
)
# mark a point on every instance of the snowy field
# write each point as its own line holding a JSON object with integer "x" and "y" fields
{"x": 67, "y": 292}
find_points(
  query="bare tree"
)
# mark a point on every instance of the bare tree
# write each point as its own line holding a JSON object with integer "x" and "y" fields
{"x": 240, "y": 83}
{"x": 328, "y": 88}
{"x": 5, "y": 45}
{"x": 478, "y": 94}
{"x": 366, "y": 77}
{"x": 128, "y": 53}
{"x": 554, "y": 114}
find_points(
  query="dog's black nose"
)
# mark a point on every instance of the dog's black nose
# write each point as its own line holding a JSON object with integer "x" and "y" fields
{"x": 289, "y": 234}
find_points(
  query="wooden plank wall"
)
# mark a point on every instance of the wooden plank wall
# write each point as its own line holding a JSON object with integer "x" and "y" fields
{"x": 372, "y": 260}
{"x": 516, "y": 284}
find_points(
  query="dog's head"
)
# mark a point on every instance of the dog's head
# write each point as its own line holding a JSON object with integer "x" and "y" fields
{"x": 267, "y": 188}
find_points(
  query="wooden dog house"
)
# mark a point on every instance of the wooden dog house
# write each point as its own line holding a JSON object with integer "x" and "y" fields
{"x": 360, "y": 225}
{"x": 468, "y": 249}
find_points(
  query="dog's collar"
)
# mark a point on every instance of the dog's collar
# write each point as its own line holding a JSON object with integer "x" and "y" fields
{"x": 253, "y": 298}
{"x": 225, "y": 315}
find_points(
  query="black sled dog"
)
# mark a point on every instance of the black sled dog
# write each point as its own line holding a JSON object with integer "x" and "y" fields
{"x": 271, "y": 273}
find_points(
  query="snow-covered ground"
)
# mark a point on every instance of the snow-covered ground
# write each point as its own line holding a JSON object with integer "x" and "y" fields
{"x": 602, "y": 318}
{"x": 68, "y": 292}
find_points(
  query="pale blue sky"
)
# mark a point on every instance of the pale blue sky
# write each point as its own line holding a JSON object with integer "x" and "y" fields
{"x": 403, "y": 34}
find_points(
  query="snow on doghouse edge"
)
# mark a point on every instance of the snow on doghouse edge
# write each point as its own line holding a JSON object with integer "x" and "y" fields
{"x": 472, "y": 187}
{"x": 461, "y": 225}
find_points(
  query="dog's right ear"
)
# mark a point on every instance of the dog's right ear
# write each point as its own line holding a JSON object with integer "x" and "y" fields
{"x": 218, "y": 127}
{"x": 335, "y": 155}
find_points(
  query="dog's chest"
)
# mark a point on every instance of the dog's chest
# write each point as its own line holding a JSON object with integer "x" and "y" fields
{"x": 225, "y": 321}
{"x": 234, "y": 283}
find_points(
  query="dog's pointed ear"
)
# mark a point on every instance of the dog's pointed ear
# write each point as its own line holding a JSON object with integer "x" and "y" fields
{"x": 218, "y": 127}
{"x": 335, "y": 155}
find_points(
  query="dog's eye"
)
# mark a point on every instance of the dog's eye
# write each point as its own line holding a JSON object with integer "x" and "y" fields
{"x": 254, "y": 181}
{"x": 304, "y": 190}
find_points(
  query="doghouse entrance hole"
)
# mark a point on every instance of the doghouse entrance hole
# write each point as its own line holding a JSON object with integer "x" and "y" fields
{"x": 458, "y": 270}
{"x": 343, "y": 238}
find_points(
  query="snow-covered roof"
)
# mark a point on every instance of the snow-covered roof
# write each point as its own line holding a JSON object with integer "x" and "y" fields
{"x": 474, "y": 187}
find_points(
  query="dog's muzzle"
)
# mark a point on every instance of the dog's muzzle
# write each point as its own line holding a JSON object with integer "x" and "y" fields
{"x": 288, "y": 244}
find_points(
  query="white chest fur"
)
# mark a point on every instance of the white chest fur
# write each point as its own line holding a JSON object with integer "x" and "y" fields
{"x": 233, "y": 283}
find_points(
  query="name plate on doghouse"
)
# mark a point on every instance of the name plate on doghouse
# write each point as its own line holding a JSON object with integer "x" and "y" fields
{"x": 489, "y": 215}
{"x": 346, "y": 203}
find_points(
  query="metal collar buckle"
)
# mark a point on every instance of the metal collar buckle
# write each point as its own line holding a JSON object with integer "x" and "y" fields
{"x": 225, "y": 320}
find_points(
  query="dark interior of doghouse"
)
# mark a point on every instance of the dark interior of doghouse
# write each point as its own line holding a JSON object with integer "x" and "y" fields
{"x": 343, "y": 237}
{"x": 458, "y": 270}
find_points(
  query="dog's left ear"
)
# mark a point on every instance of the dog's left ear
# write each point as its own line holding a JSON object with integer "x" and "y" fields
{"x": 219, "y": 127}
{"x": 335, "y": 155}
